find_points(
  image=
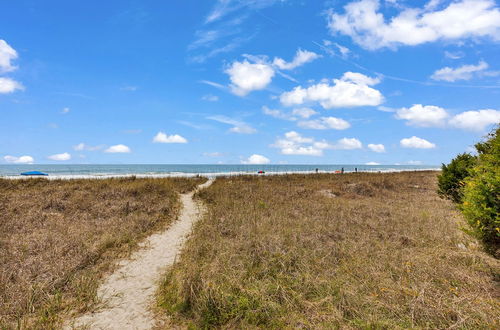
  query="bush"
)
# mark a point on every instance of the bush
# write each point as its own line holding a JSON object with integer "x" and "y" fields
{"x": 451, "y": 179}
{"x": 481, "y": 194}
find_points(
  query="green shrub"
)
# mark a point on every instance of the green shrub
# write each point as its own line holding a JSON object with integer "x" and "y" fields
{"x": 481, "y": 194}
{"x": 451, "y": 179}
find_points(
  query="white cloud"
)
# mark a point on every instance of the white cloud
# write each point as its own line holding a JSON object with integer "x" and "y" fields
{"x": 256, "y": 159}
{"x": 349, "y": 91}
{"x": 423, "y": 116}
{"x": 294, "y": 115}
{"x": 65, "y": 111}
{"x": 376, "y": 147}
{"x": 210, "y": 98}
{"x": 348, "y": 144}
{"x": 414, "y": 162}
{"x": 372, "y": 163}
{"x": 164, "y": 138}
{"x": 246, "y": 77}
{"x": 465, "y": 72}
{"x": 477, "y": 120}
{"x": 238, "y": 126}
{"x": 301, "y": 57}
{"x": 7, "y": 54}
{"x": 60, "y": 157}
{"x": 294, "y": 143}
{"x": 417, "y": 143}
{"x": 276, "y": 113}
{"x": 82, "y": 146}
{"x": 8, "y": 85}
{"x": 19, "y": 160}
{"x": 303, "y": 112}
{"x": 325, "y": 123}
{"x": 454, "y": 55}
{"x": 119, "y": 148}
{"x": 243, "y": 129}
{"x": 465, "y": 19}
{"x": 224, "y": 7}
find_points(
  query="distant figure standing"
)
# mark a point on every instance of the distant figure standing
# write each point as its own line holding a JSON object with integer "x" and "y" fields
{"x": 356, "y": 169}
{"x": 342, "y": 170}
{"x": 317, "y": 170}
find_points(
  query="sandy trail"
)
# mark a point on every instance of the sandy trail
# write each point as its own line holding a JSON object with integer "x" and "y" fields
{"x": 128, "y": 293}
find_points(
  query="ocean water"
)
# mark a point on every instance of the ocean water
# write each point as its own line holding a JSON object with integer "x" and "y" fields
{"x": 103, "y": 171}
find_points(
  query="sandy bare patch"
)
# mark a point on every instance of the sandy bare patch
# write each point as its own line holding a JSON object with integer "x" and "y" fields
{"x": 128, "y": 293}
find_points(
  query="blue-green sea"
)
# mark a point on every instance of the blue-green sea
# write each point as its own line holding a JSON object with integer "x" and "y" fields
{"x": 156, "y": 170}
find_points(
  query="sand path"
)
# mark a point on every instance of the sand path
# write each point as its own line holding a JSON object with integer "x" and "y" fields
{"x": 128, "y": 293}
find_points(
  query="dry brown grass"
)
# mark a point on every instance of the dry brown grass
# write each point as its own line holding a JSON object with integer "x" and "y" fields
{"x": 330, "y": 251}
{"x": 57, "y": 239}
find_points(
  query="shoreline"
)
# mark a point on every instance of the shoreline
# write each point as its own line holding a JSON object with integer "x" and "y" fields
{"x": 209, "y": 175}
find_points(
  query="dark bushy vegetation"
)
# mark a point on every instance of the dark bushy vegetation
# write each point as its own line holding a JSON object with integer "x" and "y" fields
{"x": 481, "y": 193}
{"x": 451, "y": 179}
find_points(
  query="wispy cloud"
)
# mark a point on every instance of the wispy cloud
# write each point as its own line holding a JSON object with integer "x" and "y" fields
{"x": 239, "y": 127}
{"x": 222, "y": 30}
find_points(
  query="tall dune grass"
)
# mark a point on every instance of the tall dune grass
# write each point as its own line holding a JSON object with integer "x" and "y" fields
{"x": 57, "y": 239}
{"x": 331, "y": 251}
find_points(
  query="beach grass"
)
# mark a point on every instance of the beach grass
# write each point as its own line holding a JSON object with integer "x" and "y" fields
{"x": 356, "y": 250}
{"x": 58, "y": 238}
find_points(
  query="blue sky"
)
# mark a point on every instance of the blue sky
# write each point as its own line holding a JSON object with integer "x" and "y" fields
{"x": 247, "y": 81}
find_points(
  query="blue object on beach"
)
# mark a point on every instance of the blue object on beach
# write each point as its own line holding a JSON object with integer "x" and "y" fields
{"x": 34, "y": 173}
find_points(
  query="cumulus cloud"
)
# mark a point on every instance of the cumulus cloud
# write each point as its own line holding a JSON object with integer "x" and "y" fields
{"x": 325, "y": 123}
{"x": 239, "y": 127}
{"x": 477, "y": 120}
{"x": 19, "y": 160}
{"x": 423, "y": 116}
{"x": 247, "y": 77}
{"x": 7, "y": 55}
{"x": 416, "y": 143}
{"x": 465, "y": 72}
{"x": 301, "y": 57}
{"x": 60, "y": 157}
{"x": 348, "y": 144}
{"x": 118, "y": 148}
{"x": 372, "y": 163}
{"x": 294, "y": 143}
{"x": 465, "y": 19}
{"x": 434, "y": 116}
{"x": 164, "y": 138}
{"x": 8, "y": 85}
{"x": 352, "y": 90}
{"x": 256, "y": 159}
{"x": 376, "y": 147}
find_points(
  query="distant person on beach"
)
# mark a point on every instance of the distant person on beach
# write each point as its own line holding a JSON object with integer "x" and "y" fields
{"x": 342, "y": 170}
{"x": 317, "y": 170}
{"x": 356, "y": 169}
